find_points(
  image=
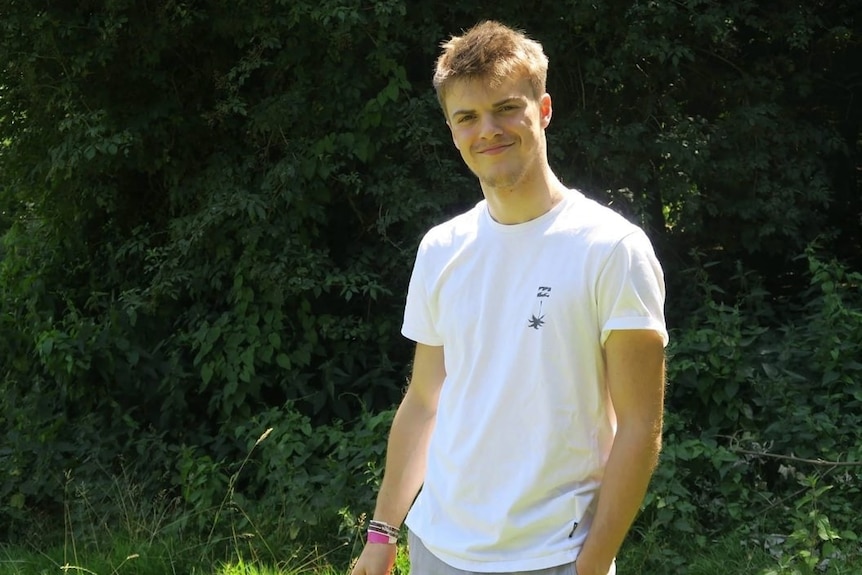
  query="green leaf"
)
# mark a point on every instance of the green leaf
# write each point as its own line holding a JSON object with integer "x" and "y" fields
{"x": 206, "y": 373}
{"x": 283, "y": 361}
{"x": 17, "y": 501}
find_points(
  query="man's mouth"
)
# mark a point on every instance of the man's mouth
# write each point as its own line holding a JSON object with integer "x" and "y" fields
{"x": 495, "y": 149}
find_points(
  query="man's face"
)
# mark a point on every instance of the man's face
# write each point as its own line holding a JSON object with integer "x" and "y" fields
{"x": 498, "y": 130}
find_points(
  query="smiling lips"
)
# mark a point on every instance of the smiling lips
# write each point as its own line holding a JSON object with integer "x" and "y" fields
{"x": 494, "y": 149}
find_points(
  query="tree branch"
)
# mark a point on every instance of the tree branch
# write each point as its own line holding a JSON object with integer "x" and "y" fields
{"x": 797, "y": 459}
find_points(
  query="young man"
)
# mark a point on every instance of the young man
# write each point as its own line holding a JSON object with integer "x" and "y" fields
{"x": 532, "y": 422}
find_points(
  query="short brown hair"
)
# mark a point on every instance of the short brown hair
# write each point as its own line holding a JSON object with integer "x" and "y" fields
{"x": 494, "y": 51}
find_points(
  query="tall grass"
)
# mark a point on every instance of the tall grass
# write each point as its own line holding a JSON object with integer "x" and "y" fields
{"x": 116, "y": 529}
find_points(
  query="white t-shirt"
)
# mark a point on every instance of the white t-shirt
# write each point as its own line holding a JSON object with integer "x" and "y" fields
{"x": 524, "y": 424}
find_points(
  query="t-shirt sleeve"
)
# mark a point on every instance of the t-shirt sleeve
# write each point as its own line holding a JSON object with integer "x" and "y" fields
{"x": 631, "y": 290}
{"x": 419, "y": 317}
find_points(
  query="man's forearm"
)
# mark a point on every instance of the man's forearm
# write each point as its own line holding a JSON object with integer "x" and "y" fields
{"x": 406, "y": 455}
{"x": 630, "y": 465}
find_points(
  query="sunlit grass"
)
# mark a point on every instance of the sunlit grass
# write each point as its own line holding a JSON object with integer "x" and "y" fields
{"x": 19, "y": 561}
{"x": 727, "y": 554}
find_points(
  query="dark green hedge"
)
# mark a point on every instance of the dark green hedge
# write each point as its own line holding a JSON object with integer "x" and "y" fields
{"x": 210, "y": 209}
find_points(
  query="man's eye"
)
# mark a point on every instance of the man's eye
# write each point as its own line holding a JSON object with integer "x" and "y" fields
{"x": 464, "y": 119}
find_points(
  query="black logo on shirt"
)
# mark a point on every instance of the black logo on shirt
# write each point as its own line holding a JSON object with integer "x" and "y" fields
{"x": 538, "y": 320}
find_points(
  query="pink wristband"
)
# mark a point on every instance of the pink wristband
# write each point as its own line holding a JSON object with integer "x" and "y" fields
{"x": 375, "y": 537}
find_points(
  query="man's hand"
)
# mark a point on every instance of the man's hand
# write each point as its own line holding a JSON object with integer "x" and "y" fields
{"x": 376, "y": 559}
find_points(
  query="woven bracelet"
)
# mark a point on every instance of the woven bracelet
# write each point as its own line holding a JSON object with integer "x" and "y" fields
{"x": 382, "y": 527}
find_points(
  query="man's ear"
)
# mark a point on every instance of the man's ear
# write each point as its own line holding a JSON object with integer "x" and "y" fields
{"x": 546, "y": 109}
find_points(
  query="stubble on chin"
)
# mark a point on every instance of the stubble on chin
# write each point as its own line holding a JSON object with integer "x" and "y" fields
{"x": 505, "y": 181}
{"x": 501, "y": 184}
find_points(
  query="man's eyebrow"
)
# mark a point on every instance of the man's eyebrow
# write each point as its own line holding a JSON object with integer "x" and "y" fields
{"x": 462, "y": 112}
{"x": 502, "y": 102}
{"x": 513, "y": 99}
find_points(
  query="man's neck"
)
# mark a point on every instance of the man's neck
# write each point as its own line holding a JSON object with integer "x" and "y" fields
{"x": 524, "y": 202}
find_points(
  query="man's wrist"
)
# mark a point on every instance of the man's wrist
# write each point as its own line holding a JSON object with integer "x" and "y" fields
{"x": 380, "y": 532}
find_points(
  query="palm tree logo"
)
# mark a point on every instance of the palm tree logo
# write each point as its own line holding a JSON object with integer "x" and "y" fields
{"x": 538, "y": 320}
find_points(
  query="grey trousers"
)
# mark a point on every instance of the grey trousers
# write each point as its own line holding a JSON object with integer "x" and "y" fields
{"x": 423, "y": 562}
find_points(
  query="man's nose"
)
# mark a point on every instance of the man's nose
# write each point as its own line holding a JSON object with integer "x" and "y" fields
{"x": 489, "y": 128}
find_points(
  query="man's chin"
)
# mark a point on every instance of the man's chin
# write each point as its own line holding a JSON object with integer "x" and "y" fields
{"x": 501, "y": 182}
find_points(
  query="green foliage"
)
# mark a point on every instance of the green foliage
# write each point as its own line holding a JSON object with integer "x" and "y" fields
{"x": 763, "y": 430}
{"x": 814, "y": 543}
{"x": 282, "y": 504}
{"x": 209, "y": 212}
{"x": 195, "y": 229}
{"x": 314, "y": 476}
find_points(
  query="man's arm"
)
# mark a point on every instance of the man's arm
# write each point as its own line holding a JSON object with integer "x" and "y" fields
{"x": 635, "y": 365}
{"x": 406, "y": 454}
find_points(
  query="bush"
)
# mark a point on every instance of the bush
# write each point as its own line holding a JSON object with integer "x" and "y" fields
{"x": 210, "y": 211}
{"x": 763, "y": 428}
